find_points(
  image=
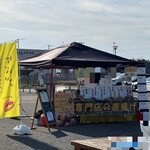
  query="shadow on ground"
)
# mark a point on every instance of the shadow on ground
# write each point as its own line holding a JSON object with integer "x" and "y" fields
{"x": 106, "y": 129}
{"x": 33, "y": 143}
{"x": 58, "y": 133}
{"x": 92, "y": 130}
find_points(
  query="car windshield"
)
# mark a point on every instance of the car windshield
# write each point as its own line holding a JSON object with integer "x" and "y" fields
{"x": 148, "y": 79}
{"x": 134, "y": 78}
{"x": 120, "y": 76}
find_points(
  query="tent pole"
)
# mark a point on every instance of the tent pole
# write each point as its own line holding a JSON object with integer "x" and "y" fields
{"x": 19, "y": 82}
{"x": 51, "y": 85}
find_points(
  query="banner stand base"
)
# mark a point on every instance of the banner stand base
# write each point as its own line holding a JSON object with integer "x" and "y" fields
{"x": 145, "y": 130}
{"x": 21, "y": 130}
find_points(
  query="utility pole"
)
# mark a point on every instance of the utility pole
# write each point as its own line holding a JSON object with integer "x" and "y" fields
{"x": 114, "y": 48}
{"x": 49, "y": 46}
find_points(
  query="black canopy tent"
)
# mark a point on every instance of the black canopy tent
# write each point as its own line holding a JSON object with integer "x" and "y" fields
{"x": 75, "y": 55}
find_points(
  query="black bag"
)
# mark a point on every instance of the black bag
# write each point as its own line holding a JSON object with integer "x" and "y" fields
{"x": 38, "y": 114}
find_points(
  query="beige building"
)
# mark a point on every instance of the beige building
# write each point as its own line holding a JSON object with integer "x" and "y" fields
{"x": 26, "y": 53}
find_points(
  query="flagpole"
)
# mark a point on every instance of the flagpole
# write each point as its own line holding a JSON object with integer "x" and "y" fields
{"x": 20, "y": 95}
{"x": 20, "y": 129}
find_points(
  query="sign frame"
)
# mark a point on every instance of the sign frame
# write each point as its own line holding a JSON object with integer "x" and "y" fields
{"x": 46, "y": 108}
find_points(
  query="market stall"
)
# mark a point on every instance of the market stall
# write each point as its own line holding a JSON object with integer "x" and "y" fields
{"x": 92, "y": 102}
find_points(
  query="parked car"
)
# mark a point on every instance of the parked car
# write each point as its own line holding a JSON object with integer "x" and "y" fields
{"x": 118, "y": 80}
{"x": 134, "y": 84}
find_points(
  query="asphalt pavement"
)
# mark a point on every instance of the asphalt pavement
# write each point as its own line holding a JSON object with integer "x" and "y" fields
{"x": 59, "y": 138}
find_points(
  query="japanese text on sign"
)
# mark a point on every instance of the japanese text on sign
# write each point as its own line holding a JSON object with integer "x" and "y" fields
{"x": 101, "y": 107}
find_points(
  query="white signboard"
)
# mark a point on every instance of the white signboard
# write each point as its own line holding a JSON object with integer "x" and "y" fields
{"x": 142, "y": 96}
{"x": 143, "y": 105}
{"x": 141, "y": 79}
{"x": 90, "y": 92}
{"x": 44, "y": 97}
{"x": 98, "y": 92}
{"x": 49, "y": 116}
{"x": 82, "y": 91}
{"x": 86, "y": 96}
{"x": 142, "y": 88}
{"x": 146, "y": 116}
{"x": 141, "y": 70}
{"x": 110, "y": 92}
{"x": 101, "y": 92}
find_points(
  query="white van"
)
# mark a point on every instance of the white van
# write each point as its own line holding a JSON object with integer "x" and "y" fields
{"x": 118, "y": 80}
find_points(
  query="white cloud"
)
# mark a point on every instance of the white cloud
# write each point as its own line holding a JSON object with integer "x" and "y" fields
{"x": 88, "y": 5}
{"x": 97, "y": 23}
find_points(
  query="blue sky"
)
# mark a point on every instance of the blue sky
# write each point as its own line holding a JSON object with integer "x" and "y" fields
{"x": 97, "y": 23}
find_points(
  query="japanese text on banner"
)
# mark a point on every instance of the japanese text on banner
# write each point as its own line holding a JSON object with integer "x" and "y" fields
{"x": 9, "y": 88}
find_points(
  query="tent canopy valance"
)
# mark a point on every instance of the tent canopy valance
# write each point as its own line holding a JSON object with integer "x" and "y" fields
{"x": 76, "y": 55}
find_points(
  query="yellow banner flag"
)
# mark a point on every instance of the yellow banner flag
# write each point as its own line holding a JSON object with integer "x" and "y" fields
{"x": 9, "y": 88}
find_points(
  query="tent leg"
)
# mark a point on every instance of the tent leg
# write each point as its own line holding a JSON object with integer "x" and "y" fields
{"x": 51, "y": 85}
